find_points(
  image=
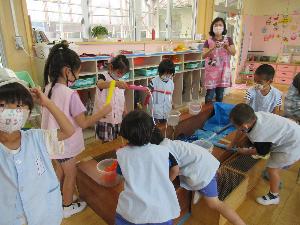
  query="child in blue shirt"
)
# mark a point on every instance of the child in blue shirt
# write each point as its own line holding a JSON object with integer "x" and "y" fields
{"x": 30, "y": 191}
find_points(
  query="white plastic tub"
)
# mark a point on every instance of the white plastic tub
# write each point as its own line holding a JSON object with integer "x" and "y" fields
{"x": 195, "y": 108}
{"x": 173, "y": 118}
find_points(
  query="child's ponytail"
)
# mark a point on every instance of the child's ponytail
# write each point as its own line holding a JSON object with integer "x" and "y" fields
{"x": 59, "y": 57}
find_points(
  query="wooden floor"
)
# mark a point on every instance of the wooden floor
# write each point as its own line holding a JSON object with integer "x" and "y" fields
{"x": 286, "y": 213}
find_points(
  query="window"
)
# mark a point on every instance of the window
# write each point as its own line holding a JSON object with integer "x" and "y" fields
{"x": 182, "y": 12}
{"x": 57, "y": 18}
{"x": 114, "y": 15}
{"x": 126, "y": 19}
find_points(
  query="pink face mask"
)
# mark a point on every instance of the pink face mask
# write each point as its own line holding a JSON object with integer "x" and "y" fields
{"x": 13, "y": 119}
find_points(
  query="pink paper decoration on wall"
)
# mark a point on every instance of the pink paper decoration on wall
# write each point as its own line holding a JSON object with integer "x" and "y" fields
{"x": 293, "y": 36}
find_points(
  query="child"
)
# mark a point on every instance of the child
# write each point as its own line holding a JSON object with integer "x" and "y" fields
{"x": 272, "y": 134}
{"x": 149, "y": 196}
{"x": 292, "y": 100}
{"x": 197, "y": 170}
{"x": 108, "y": 128}
{"x": 30, "y": 191}
{"x": 263, "y": 96}
{"x": 162, "y": 103}
{"x": 62, "y": 68}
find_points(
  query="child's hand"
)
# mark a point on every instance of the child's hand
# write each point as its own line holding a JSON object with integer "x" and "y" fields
{"x": 121, "y": 84}
{"x": 39, "y": 97}
{"x": 106, "y": 109}
{"x": 247, "y": 151}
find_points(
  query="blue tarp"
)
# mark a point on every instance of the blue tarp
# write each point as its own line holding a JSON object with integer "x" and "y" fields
{"x": 220, "y": 118}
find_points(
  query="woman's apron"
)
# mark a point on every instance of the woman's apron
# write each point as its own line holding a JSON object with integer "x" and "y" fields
{"x": 217, "y": 67}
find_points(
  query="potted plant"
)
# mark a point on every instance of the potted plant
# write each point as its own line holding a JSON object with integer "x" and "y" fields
{"x": 99, "y": 32}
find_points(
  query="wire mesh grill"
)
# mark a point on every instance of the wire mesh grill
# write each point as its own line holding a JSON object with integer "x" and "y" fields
{"x": 242, "y": 163}
{"x": 228, "y": 180}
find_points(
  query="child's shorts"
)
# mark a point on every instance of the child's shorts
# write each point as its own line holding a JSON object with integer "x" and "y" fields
{"x": 279, "y": 160}
{"x": 121, "y": 221}
{"x": 211, "y": 190}
{"x": 107, "y": 131}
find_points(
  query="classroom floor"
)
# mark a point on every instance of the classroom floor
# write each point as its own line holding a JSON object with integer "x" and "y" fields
{"x": 286, "y": 213}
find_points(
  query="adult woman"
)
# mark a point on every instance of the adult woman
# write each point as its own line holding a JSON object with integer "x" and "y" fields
{"x": 217, "y": 51}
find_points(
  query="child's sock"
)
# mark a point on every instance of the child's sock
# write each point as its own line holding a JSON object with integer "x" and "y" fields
{"x": 274, "y": 195}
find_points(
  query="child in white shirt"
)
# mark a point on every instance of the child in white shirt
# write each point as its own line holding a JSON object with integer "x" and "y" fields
{"x": 272, "y": 134}
{"x": 197, "y": 170}
{"x": 263, "y": 96}
{"x": 149, "y": 196}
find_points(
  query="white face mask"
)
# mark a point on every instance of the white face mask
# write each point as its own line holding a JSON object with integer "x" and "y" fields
{"x": 165, "y": 78}
{"x": 259, "y": 87}
{"x": 114, "y": 76}
{"x": 218, "y": 30}
{"x": 13, "y": 119}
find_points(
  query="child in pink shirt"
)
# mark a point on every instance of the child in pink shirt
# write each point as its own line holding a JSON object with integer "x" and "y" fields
{"x": 61, "y": 69}
{"x": 108, "y": 128}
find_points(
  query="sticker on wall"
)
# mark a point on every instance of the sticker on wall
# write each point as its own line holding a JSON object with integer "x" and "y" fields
{"x": 275, "y": 26}
{"x": 285, "y": 39}
{"x": 285, "y": 19}
{"x": 268, "y": 21}
{"x": 293, "y": 36}
{"x": 264, "y": 30}
{"x": 276, "y": 18}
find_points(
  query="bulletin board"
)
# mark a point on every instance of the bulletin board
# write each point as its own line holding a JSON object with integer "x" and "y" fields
{"x": 271, "y": 33}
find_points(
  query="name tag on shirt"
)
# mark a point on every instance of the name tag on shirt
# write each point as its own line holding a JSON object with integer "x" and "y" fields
{"x": 40, "y": 166}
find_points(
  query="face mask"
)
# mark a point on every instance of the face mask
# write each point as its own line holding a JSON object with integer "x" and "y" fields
{"x": 13, "y": 119}
{"x": 114, "y": 76}
{"x": 71, "y": 83}
{"x": 165, "y": 78}
{"x": 218, "y": 30}
{"x": 259, "y": 87}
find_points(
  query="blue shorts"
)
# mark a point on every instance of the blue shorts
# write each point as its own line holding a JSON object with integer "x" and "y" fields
{"x": 121, "y": 221}
{"x": 211, "y": 190}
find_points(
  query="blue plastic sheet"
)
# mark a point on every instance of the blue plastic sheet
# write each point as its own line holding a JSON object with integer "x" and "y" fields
{"x": 220, "y": 119}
